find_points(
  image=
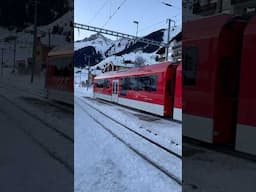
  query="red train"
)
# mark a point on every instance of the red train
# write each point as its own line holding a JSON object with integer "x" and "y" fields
{"x": 219, "y": 102}
{"x": 155, "y": 89}
{"x": 60, "y": 75}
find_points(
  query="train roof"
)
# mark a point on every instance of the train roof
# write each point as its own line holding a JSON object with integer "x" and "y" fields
{"x": 206, "y": 27}
{"x": 150, "y": 69}
{"x": 67, "y": 49}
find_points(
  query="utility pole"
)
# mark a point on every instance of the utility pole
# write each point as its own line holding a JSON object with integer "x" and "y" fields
{"x": 219, "y": 6}
{"x": 14, "y": 54}
{"x": 80, "y": 76}
{"x": 49, "y": 37}
{"x": 2, "y": 63}
{"x": 168, "y": 39}
{"x": 35, "y": 41}
{"x": 89, "y": 67}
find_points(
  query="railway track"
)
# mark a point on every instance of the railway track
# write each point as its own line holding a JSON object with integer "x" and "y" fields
{"x": 150, "y": 114}
{"x": 51, "y": 151}
{"x": 66, "y": 136}
{"x": 136, "y": 132}
{"x": 143, "y": 156}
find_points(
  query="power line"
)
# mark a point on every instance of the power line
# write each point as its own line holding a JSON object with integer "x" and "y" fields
{"x": 118, "y": 34}
{"x": 114, "y": 12}
{"x": 99, "y": 10}
{"x": 149, "y": 26}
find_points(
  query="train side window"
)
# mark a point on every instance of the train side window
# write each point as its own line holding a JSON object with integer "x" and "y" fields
{"x": 190, "y": 62}
{"x": 133, "y": 83}
{"x": 106, "y": 84}
{"x": 147, "y": 83}
{"x": 153, "y": 83}
{"x": 122, "y": 91}
{"x": 102, "y": 84}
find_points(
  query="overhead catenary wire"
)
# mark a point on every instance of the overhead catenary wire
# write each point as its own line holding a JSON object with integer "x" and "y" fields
{"x": 152, "y": 25}
{"x": 111, "y": 16}
{"x": 98, "y": 11}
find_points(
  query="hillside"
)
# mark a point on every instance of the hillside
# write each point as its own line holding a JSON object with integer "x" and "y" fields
{"x": 122, "y": 52}
{"x": 60, "y": 30}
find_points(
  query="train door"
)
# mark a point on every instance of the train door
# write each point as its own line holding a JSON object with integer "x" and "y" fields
{"x": 169, "y": 93}
{"x": 115, "y": 90}
{"x": 246, "y": 122}
{"x": 177, "y": 109}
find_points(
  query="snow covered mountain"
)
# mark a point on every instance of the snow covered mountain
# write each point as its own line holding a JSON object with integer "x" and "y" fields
{"x": 102, "y": 50}
{"x": 98, "y": 41}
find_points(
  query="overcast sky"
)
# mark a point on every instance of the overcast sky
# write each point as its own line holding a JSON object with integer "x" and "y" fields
{"x": 151, "y": 15}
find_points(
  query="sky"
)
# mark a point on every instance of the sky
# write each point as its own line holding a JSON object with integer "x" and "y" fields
{"x": 151, "y": 15}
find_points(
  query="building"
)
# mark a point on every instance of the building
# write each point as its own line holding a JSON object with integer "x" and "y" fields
{"x": 174, "y": 51}
{"x": 116, "y": 67}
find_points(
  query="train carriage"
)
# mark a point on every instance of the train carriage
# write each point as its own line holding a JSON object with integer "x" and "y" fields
{"x": 211, "y": 64}
{"x": 60, "y": 75}
{"x": 150, "y": 88}
{"x": 219, "y": 102}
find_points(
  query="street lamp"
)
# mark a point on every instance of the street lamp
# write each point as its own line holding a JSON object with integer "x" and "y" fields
{"x": 137, "y": 23}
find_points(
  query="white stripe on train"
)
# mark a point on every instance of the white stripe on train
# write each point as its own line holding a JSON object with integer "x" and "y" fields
{"x": 152, "y": 108}
{"x": 177, "y": 114}
{"x": 245, "y": 139}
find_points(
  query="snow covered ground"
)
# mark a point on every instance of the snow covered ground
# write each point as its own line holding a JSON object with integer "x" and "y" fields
{"x": 124, "y": 169}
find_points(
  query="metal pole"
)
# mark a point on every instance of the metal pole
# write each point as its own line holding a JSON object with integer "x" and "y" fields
{"x": 89, "y": 67}
{"x": 168, "y": 39}
{"x": 49, "y": 38}
{"x": 14, "y": 55}
{"x": 137, "y": 30}
{"x": 137, "y": 23}
{"x": 80, "y": 76}
{"x": 2, "y": 63}
{"x": 35, "y": 41}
